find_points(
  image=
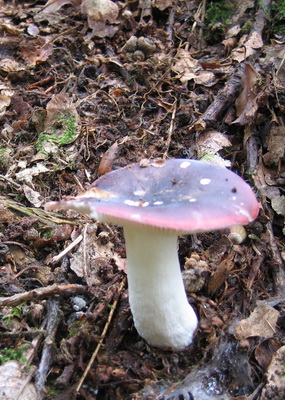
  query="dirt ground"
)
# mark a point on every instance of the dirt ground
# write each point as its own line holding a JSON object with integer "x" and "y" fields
{"x": 89, "y": 87}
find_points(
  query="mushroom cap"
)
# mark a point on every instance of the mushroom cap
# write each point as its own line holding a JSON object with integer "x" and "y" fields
{"x": 180, "y": 195}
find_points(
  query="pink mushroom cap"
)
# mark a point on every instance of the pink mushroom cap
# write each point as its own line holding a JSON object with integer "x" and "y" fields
{"x": 180, "y": 195}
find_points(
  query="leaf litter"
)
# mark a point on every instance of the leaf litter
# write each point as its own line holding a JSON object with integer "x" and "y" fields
{"x": 90, "y": 86}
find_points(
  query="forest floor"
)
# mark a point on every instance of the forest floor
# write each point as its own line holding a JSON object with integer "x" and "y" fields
{"x": 89, "y": 87}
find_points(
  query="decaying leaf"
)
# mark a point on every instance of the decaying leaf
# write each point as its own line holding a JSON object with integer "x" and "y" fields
{"x": 33, "y": 196}
{"x": 276, "y": 145}
{"x": 275, "y": 387}
{"x": 187, "y": 68}
{"x": 14, "y": 383}
{"x": 265, "y": 350}
{"x": 107, "y": 160}
{"x": 10, "y": 65}
{"x": 261, "y": 322}
{"x": 61, "y": 125}
{"x": 54, "y": 5}
{"x": 101, "y": 13}
{"x": 36, "y": 51}
{"x": 247, "y": 47}
{"x": 162, "y": 4}
{"x": 278, "y": 205}
{"x": 27, "y": 174}
{"x": 210, "y": 142}
{"x": 94, "y": 252}
{"x": 246, "y": 105}
{"x": 5, "y": 100}
{"x": 5, "y": 214}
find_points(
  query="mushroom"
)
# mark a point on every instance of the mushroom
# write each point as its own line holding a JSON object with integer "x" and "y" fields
{"x": 155, "y": 201}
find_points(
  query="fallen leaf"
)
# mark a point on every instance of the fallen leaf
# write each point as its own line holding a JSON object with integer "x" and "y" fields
{"x": 100, "y": 13}
{"x": 5, "y": 100}
{"x": 210, "y": 142}
{"x": 14, "y": 383}
{"x": 36, "y": 51}
{"x": 54, "y": 5}
{"x": 264, "y": 351}
{"x": 162, "y": 4}
{"x": 276, "y": 145}
{"x": 247, "y": 47}
{"x": 33, "y": 196}
{"x": 246, "y": 103}
{"x": 94, "y": 253}
{"x": 261, "y": 322}
{"x": 28, "y": 173}
{"x": 107, "y": 159}
{"x": 275, "y": 386}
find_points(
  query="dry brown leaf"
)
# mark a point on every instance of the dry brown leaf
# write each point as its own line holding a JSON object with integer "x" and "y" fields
{"x": 5, "y": 100}
{"x": 247, "y": 47}
{"x": 275, "y": 387}
{"x": 54, "y": 5}
{"x": 93, "y": 254}
{"x": 163, "y": 4}
{"x": 185, "y": 66}
{"x": 100, "y": 13}
{"x": 33, "y": 196}
{"x": 5, "y": 214}
{"x": 107, "y": 159}
{"x": 264, "y": 351}
{"x": 14, "y": 383}
{"x": 278, "y": 205}
{"x": 10, "y": 65}
{"x": 276, "y": 145}
{"x": 205, "y": 78}
{"x": 60, "y": 104}
{"x": 246, "y": 105}
{"x": 27, "y": 174}
{"x": 36, "y": 52}
{"x": 210, "y": 142}
{"x": 249, "y": 81}
{"x": 261, "y": 322}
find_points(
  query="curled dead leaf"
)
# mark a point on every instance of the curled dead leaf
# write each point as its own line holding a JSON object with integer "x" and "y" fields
{"x": 261, "y": 322}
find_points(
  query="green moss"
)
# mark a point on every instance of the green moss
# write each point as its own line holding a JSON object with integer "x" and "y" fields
{"x": 278, "y": 17}
{"x": 15, "y": 312}
{"x": 64, "y": 131}
{"x": 69, "y": 123}
{"x": 219, "y": 12}
{"x": 13, "y": 354}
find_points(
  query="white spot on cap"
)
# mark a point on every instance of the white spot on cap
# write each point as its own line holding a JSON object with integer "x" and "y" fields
{"x": 145, "y": 204}
{"x": 158, "y": 203}
{"x": 139, "y": 193}
{"x": 135, "y": 216}
{"x": 244, "y": 212}
{"x": 234, "y": 198}
{"x": 185, "y": 164}
{"x": 132, "y": 203}
{"x": 205, "y": 181}
{"x": 192, "y": 200}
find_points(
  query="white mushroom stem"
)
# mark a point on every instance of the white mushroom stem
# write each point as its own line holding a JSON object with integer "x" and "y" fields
{"x": 161, "y": 312}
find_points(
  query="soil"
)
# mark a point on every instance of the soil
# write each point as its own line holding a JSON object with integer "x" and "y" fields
{"x": 86, "y": 88}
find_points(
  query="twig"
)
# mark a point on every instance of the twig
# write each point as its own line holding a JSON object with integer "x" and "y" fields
{"x": 170, "y": 130}
{"x": 67, "y": 289}
{"x": 45, "y": 217}
{"x": 25, "y": 334}
{"x": 277, "y": 263}
{"x": 57, "y": 258}
{"x": 10, "y": 181}
{"x": 53, "y": 319}
{"x": 94, "y": 355}
{"x": 224, "y": 98}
